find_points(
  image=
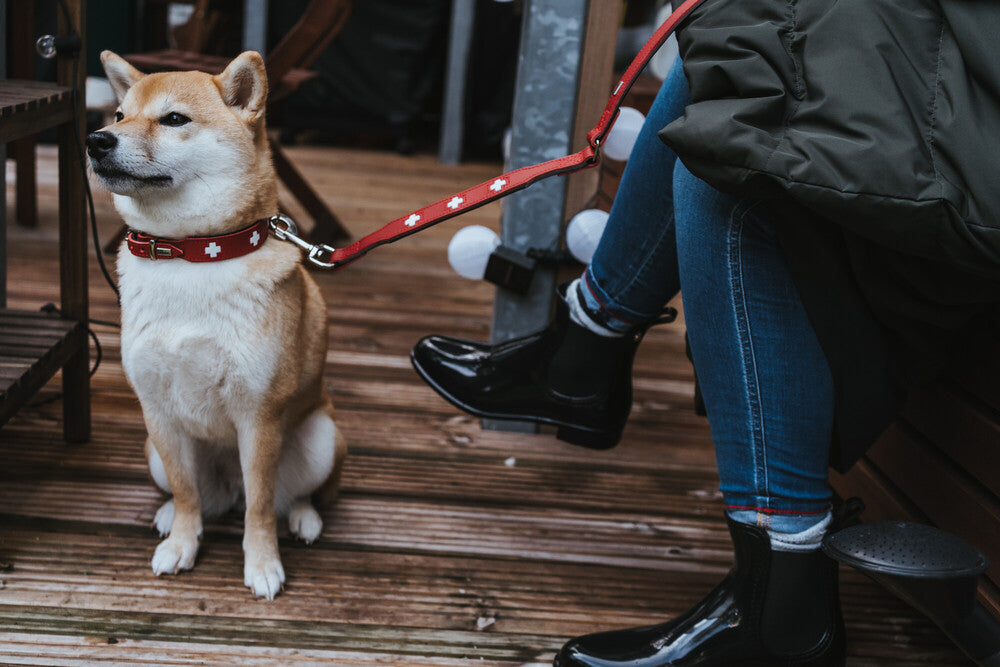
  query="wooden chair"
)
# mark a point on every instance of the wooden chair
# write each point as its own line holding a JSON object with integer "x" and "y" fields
{"x": 35, "y": 345}
{"x": 287, "y": 69}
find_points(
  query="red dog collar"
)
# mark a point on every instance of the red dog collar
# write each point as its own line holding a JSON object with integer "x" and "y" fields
{"x": 200, "y": 248}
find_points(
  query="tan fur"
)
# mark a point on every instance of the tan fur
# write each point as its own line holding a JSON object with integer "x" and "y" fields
{"x": 226, "y": 358}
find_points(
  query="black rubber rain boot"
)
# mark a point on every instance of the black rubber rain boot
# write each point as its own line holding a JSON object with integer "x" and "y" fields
{"x": 774, "y": 609}
{"x": 932, "y": 570}
{"x": 564, "y": 375}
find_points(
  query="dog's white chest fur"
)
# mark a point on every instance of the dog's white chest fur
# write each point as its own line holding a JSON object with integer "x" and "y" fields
{"x": 191, "y": 342}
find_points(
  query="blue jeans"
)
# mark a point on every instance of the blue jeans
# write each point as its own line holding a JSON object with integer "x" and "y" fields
{"x": 766, "y": 382}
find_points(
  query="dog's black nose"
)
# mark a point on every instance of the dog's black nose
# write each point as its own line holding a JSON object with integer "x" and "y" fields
{"x": 99, "y": 144}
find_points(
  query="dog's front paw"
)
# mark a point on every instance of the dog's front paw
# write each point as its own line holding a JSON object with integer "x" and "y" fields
{"x": 174, "y": 554}
{"x": 304, "y": 522}
{"x": 164, "y": 518}
{"x": 265, "y": 577}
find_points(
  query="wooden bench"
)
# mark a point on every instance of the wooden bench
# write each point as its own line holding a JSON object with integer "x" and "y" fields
{"x": 940, "y": 462}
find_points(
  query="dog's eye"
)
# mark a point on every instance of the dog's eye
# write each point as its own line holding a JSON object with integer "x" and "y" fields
{"x": 174, "y": 119}
{"x": 118, "y": 116}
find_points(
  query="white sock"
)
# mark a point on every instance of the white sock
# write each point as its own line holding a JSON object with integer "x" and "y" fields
{"x": 579, "y": 314}
{"x": 809, "y": 539}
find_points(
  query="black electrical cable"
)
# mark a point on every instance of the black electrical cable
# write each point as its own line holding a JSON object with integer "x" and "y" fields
{"x": 98, "y": 353}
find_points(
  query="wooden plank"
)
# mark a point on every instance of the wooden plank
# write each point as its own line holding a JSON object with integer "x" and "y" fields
{"x": 663, "y": 540}
{"x": 945, "y": 494}
{"x": 449, "y": 595}
{"x": 326, "y": 582}
{"x": 968, "y": 436}
{"x": 38, "y": 358}
{"x": 484, "y": 479}
{"x": 883, "y": 499}
{"x": 434, "y": 530}
{"x": 977, "y": 366}
{"x": 28, "y": 107}
{"x": 375, "y": 434}
{"x": 310, "y": 637}
{"x": 24, "y": 649}
{"x": 597, "y": 61}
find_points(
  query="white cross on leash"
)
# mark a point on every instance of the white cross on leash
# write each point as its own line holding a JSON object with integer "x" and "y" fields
{"x": 498, "y": 185}
{"x": 254, "y": 239}
{"x": 455, "y": 201}
{"x": 212, "y": 250}
{"x": 412, "y": 220}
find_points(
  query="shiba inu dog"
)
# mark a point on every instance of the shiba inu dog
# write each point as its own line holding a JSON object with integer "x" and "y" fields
{"x": 224, "y": 333}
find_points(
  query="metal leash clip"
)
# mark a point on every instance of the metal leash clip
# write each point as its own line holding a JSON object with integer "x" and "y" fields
{"x": 285, "y": 229}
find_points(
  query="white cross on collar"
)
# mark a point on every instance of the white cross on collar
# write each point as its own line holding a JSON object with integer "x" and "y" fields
{"x": 212, "y": 249}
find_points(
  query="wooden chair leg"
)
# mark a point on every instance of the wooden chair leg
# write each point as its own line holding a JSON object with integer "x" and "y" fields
{"x": 22, "y": 66}
{"x": 73, "y": 239}
{"x": 73, "y": 279}
{"x": 23, "y": 153}
{"x": 327, "y": 228}
{"x": 111, "y": 247}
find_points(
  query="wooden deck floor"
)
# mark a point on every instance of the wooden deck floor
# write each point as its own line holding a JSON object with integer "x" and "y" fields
{"x": 449, "y": 545}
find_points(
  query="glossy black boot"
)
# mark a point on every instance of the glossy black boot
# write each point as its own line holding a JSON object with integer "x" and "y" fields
{"x": 564, "y": 375}
{"x": 774, "y": 609}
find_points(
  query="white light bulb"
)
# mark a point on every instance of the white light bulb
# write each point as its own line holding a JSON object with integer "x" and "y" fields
{"x": 618, "y": 144}
{"x": 664, "y": 58}
{"x": 584, "y": 233}
{"x": 470, "y": 249}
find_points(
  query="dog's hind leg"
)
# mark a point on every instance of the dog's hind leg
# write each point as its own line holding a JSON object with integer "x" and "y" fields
{"x": 165, "y": 515}
{"x": 219, "y": 484}
{"x": 310, "y": 466}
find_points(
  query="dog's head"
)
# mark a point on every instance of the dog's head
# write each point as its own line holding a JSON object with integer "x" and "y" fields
{"x": 175, "y": 129}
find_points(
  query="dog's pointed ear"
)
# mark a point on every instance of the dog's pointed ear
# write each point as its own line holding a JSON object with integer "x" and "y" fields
{"x": 121, "y": 75}
{"x": 243, "y": 85}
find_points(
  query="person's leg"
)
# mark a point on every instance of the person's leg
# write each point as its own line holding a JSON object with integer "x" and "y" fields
{"x": 577, "y": 373}
{"x": 765, "y": 380}
{"x": 769, "y": 396}
{"x": 633, "y": 272}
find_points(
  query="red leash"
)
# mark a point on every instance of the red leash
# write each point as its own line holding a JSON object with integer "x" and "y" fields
{"x": 334, "y": 258}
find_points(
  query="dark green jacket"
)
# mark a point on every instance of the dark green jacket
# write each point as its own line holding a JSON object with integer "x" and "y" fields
{"x": 873, "y": 129}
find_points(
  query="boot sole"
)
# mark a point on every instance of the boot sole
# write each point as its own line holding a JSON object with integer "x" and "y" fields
{"x": 574, "y": 434}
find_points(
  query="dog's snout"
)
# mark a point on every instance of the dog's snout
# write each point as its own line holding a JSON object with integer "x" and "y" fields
{"x": 99, "y": 144}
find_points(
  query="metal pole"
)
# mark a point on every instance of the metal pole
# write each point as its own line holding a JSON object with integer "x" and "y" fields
{"x": 545, "y": 104}
{"x": 463, "y": 18}
{"x": 255, "y": 26}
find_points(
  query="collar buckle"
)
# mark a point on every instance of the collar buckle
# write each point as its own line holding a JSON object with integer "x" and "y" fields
{"x": 156, "y": 253}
